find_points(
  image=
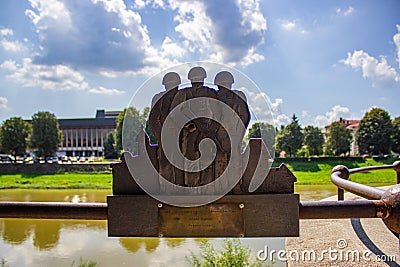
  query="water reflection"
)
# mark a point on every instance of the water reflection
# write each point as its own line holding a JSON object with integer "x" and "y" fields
{"x": 30, "y": 242}
{"x": 174, "y": 242}
{"x": 133, "y": 244}
{"x": 15, "y": 231}
{"x": 45, "y": 233}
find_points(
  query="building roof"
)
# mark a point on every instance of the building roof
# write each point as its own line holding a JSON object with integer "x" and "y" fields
{"x": 103, "y": 119}
{"x": 350, "y": 124}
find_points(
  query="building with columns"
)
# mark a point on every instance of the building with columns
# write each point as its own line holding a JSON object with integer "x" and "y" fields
{"x": 85, "y": 136}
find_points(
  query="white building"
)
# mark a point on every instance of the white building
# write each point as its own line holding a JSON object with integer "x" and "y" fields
{"x": 85, "y": 136}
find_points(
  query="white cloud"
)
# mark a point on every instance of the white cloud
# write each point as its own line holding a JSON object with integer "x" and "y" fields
{"x": 262, "y": 106}
{"x": 50, "y": 13}
{"x": 331, "y": 116}
{"x": 8, "y": 45}
{"x": 158, "y": 4}
{"x": 106, "y": 91}
{"x": 94, "y": 35}
{"x": 57, "y": 77}
{"x": 140, "y": 4}
{"x": 170, "y": 48}
{"x": 282, "y": 119}
{"x": 251, "y": 57}
{"x": 12, "y": 46}
{"x": 396, "y": 40}
{"x": 346, "y": 12}
{"x": 349, "y": 11}
{"x": 6, "y": 32}
{"x": 252, "y": 18}
{"x": 288, "y": 25}
{"x": 291, "y": 26}
{"x": 380, "y": 73}
{"x": 9, "y": 65}
{"x": 194, "y": 25}
{"x": 227, "y": 32}
{"x": 109, "y": 37}
{"x": 3, "y": 102}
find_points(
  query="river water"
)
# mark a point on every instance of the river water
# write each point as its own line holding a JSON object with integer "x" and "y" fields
{"x": 65, "y": 242}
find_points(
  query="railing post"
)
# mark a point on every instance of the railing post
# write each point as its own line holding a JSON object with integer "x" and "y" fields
{"x": 396, "y": 167}
{"x": 344, "y": 174}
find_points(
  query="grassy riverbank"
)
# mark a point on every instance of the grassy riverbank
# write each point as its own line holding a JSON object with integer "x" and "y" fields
{"x": 318, "y": 171}
{"x": 57, "y": 181}
{"x": 315, "y": 171}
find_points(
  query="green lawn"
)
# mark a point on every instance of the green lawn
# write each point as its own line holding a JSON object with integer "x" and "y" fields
{"x": 319, "y": 171}
{"x": 316, "y": 171}
{"x": 56, "y": 181}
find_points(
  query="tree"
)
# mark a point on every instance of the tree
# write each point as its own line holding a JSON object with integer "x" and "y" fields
{"x": 313, "y": 140}
{"x": 135, "y": 120}
{"x": 374, "y": 132}
{"x": 290, "y": 139}
{"x": 339, "y": 139}
{"x": 265, "y": 131}
{"x": 396, "y": 135}
{"x": 14, "y": 134}
{"x": 46, "y": 134}
{"x": 109, "y": 150}
{"x": 148, "y": 130}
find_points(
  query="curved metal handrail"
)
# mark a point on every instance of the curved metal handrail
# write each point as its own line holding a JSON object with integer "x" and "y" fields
{"x": 389, "y": 198}
{"x": 340, "y": 175}
{"x": 361, "y": 190}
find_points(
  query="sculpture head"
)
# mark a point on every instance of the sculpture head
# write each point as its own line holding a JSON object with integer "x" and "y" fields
{"x": 224, "y": 79}
{"x": 171, "y": 80}
{"x": 197, "y": 75}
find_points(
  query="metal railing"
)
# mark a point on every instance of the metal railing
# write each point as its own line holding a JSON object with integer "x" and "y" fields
{"x": 381, "y": 204}
{"x": 389, "y": 199}
{"x": 341, "y": 174}
{"x": 98, "y": 211}
{"x": 54, "y": 210}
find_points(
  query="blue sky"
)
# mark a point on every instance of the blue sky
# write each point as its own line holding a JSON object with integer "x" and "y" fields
{"x": 318, "y": 59}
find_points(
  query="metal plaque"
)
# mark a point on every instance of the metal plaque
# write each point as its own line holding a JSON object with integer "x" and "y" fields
{"x": 212, "y": 220}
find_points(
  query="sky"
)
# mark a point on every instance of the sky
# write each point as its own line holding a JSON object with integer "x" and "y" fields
{"x": 320, "y": 60}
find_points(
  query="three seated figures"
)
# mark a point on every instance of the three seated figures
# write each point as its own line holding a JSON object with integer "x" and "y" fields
{"x": 206, "y": 105}
{"x": 199, "y": 132}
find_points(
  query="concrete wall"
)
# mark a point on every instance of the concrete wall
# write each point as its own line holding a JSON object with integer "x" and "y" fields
{"x": 47, "y": 168}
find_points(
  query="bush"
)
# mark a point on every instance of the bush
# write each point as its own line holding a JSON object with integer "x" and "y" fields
{"x": 232, "y": 255}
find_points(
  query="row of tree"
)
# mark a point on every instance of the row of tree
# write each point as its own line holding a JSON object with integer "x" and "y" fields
{"x": 376, "y": 134}
{"x": 41, "y": 135}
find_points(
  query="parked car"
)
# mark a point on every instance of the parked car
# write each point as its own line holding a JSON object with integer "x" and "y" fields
{"x": 28, "y": 160}
{"x": 6, "y": 158}
{"x": 19, "y": 159}
{"x": 39, "y": 160}
{"x": 52, "y": 160}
